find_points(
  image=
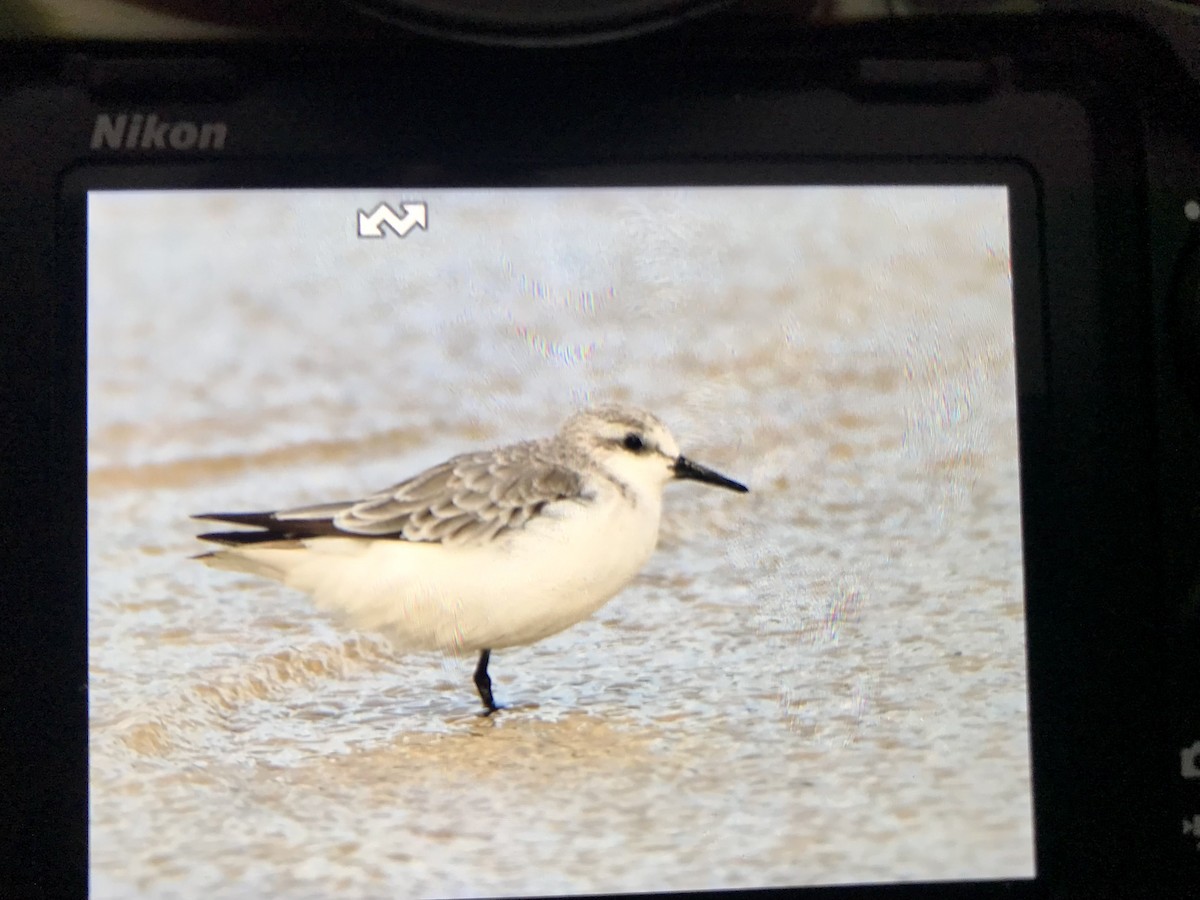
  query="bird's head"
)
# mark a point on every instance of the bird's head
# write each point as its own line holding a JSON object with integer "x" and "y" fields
{"x": 636, "y": 448}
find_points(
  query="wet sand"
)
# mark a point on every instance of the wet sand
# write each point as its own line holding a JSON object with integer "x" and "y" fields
{"x": 820, "y": 682}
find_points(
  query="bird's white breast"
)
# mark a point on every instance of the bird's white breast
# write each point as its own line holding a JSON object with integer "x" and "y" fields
{"x": 531, "y": 583}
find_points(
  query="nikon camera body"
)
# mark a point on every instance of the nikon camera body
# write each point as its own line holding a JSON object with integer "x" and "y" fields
{"x": 930, "y": 289}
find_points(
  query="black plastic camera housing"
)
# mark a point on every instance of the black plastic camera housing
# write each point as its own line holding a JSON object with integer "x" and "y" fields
{"x": 1096, "y": 113}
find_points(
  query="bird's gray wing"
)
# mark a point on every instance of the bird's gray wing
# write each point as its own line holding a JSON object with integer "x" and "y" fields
{"x": 475, "y": 496}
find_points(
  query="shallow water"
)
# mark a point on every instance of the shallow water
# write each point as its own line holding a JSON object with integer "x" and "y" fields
{"x": 822, "y": 681}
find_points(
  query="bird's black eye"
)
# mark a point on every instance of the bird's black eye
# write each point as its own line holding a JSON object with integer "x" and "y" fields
{"x": 634, "y": 443}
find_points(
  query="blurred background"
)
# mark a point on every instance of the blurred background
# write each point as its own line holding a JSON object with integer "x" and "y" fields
{"x": 822, "y": 681}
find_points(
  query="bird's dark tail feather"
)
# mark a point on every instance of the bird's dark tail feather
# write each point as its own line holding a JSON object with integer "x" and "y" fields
{"x": 272, "y": 528}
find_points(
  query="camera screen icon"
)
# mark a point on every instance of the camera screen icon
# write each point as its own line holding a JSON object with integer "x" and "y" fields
{"x": 399, "y": 220}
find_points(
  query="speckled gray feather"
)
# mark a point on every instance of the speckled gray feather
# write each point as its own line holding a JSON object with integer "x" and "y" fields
{"x": 475, "y": 496}
{"x": 472, "y": 497}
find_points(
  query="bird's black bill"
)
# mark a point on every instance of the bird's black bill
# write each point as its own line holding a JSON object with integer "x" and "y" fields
{"x": 685, "y": 468}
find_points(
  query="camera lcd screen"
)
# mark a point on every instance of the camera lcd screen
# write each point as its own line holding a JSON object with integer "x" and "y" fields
{"x": 821, "y": 681}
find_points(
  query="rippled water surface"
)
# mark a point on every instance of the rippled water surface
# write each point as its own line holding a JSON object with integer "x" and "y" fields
{"x": 821, "y": 681}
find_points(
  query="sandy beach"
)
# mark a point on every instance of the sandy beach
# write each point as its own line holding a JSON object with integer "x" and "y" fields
{"x": 819, "y": 682}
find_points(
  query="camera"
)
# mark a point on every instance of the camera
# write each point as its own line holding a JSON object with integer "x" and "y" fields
{"x": 448, "y": 336}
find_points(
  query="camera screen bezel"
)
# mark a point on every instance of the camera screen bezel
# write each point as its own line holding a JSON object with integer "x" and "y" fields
{"x": 1029, "y": 322}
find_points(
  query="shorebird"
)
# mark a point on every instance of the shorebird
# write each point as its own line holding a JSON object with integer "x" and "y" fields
{"x": 491, "y": 549}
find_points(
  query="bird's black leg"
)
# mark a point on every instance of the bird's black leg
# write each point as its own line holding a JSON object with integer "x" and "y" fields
{"x": 484, "y": 683}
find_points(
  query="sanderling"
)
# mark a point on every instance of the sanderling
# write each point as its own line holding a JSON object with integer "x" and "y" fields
{"x": 492, "y": 549}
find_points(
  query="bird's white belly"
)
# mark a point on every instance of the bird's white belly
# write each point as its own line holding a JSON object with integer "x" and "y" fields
{"x": 530, "y": 584}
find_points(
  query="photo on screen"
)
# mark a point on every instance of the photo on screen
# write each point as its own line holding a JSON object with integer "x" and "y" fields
{"x": 821, "y": 681}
